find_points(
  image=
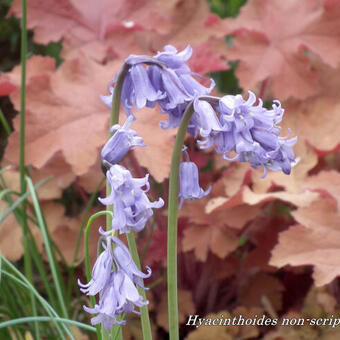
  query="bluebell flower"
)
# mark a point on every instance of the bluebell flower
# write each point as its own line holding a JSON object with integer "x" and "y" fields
{"x": 251, "y": 132}
{"x": 118, "y": 275}
{"x": 119, "y": 296}
{"x": 132, "y": 208}
{"x": 189, "y": 184}
{"x": 100, "y": 273}
{"x": 125, "y": 262}
{"x": 165, "y": 79}
{"x": 206, "y": 118}
{"x": 121, "y": 142}
{"x": 177, "y": 81}
{"x": 137, "y": 90}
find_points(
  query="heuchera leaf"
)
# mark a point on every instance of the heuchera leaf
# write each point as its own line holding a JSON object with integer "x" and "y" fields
{"x": 93, "y": 28}
{"x": 321, "y": 112}
{"x": 11, "y": 235}
{"x": 191, "y": 23}
{"x": 209, "y": 56}
{"x": 271, "y": 37}
{"x": 213, "y": 229}
{"x": 326, "y": 182}
{"x": 37, "y": 66}
{"x": 64, "y": 113}
{"x": 10, "y": 230}
{"x": 56, "y": 170}
{"x": 156, "y": 157}
{"x": 301, "y": 199}
{"x": 103, "y": 30}
{"x": 316, "y": 241}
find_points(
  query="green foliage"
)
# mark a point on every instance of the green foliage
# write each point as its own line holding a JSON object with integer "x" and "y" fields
{"x": 226, "y": 81}
{"x": 10, "y": 41}
{"x": 226, "y": 8}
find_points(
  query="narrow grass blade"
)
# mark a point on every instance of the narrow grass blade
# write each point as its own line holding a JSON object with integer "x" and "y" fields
{"x": 22, "y": 280}
{"x": 47, "y": 243}
{"x": 20, "y": 200}
{"x": 4, "y": 123}
{"x": 46, "y": 319}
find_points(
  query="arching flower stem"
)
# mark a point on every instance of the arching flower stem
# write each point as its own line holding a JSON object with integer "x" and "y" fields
{"x": 172, "y": 223}
{"x": 173, "y": 214}
{"x": 114, "y": 116}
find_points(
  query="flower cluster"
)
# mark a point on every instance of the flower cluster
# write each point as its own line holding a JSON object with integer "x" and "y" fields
{"x": 229, "y": 124}
{"x": 249, "y": 130}
{"x": 166, "y": 80}
{"x": 114, "y": 277}
{"x": 132, "y": 208}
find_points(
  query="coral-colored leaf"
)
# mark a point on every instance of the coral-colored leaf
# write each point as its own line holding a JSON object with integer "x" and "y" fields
{"x": 156, "y": 156}
{"x": 326, "y": 181}
{"x": 294, "y": 183}
{"x": 197, "y": 238}
{"x": 191, "y": 23}
{"x": 58, "y": 174}
{"x": 10, "y": 231}
{"x": 270, "y": 36}
{"x": 104, "y": 29}
{"x": 93, "y": 28}
{"x": 315, "y": 242}
{"x": 65, "y": 114}
{"x": 11, "y": 235}
{"x": 37, "y": 66}
{"x": 321, "y": 112}
{"x": 260, "y": 62}
{"x": 301, "y": 199}
{"x": 201, "y": 239}
{"x": 214, "y": 217}
{"x": 209, "y": 56}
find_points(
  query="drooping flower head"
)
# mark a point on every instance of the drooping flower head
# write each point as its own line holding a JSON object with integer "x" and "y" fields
{"x": 121, "y": 142}
{"x": 137, "y": 90}
{"x": 189, "y": 182}
{"x": 251, "y": 132}
{"x": 119, "y": 296}
{"x": 164, "y": 79}
{"x": 132, "y": 208}
{"x": 114, "y": 276}
{"x": 100, "y": 273}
